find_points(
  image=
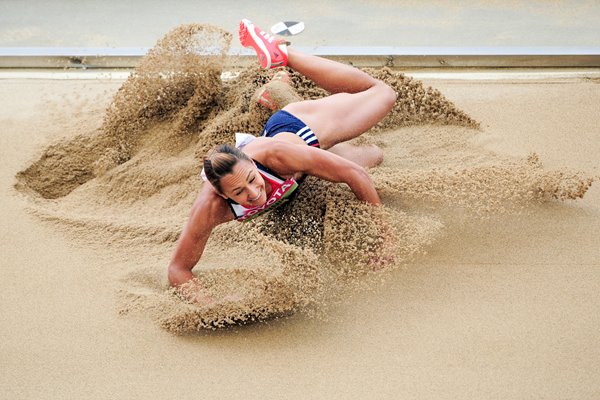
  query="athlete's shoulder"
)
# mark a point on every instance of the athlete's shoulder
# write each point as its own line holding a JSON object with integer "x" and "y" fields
{"x": 210, "y": 207}
{"x": 257, "y": 145}
{"x": 262, "y": 149}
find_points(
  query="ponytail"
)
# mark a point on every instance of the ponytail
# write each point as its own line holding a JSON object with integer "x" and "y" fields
{"x": 220, "y": 161}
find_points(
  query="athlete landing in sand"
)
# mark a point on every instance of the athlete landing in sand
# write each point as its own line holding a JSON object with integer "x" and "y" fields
{"x": 304, "y": 138}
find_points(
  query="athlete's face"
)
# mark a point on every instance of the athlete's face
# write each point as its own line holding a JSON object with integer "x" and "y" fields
{"x": 244, "y": 185}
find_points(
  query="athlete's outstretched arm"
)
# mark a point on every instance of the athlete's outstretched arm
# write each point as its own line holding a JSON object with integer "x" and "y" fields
{"x": 288, "y": 158}
{"x": 208, "y": 211}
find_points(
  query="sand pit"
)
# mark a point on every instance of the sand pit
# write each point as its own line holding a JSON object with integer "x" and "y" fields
{"x": 136, "y": 176}
{"x": 503, "y": 304}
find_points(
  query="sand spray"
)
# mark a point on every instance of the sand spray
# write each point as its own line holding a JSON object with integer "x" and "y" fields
{"x": 130, "y": 184}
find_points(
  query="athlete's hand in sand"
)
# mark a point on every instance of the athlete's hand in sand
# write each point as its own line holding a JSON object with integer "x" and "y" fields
{"x": 193, "y": 292}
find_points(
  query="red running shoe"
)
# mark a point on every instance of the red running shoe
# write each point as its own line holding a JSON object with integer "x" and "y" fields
{"x": 272, "y": 52}
{"x": 264, "y": 95}
{"x": 264, "y": 99}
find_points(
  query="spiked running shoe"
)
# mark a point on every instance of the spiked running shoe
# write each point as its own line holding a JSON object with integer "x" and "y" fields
{"x": 272, "y": 52}
{"x": 263, "y": 94}
{"x": 264, "y": 99}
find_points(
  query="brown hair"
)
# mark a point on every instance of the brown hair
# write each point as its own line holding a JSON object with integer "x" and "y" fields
{"x": 220, "y": 161}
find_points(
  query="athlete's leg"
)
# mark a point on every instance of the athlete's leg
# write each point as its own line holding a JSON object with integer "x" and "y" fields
{"x": 359, "y": 100}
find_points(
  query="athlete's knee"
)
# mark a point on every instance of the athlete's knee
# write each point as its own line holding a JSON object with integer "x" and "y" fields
{"x": 374, "y": 156}
{"x": 378, "y": 156}
{"x": 388, "y": 96}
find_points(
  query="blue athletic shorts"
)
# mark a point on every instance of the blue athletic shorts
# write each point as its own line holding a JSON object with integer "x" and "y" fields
{"x": 283, "y": 121}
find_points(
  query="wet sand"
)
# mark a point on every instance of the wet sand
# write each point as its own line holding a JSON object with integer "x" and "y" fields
{"x": 503, "y": 306}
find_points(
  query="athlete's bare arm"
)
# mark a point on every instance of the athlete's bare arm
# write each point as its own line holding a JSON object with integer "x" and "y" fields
{"x": 287, "y": 159}
{"x": 208, "y": 211}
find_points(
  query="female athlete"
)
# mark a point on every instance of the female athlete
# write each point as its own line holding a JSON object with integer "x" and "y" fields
{"x": 303, "y": 138}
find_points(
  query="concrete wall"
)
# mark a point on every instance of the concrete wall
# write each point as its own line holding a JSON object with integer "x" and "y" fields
{"x": 139, "y": 23}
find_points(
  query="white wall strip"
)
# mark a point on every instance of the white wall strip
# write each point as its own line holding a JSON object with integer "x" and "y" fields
{"x": 428, "y": 74}
{"x": 127, "y": 57}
